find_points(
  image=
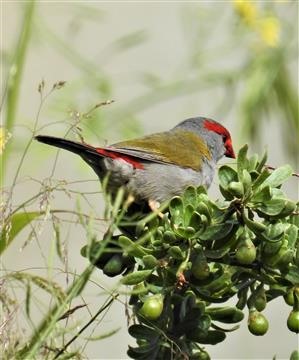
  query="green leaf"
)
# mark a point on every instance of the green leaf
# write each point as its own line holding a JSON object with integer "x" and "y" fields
{"x": 262, "y": 163}
{"x": 202, "y": 208}
{"x": 195, "y": 221}
{"x": 176, "y": 209}
{"x": 292, "y": 233}
{"x": 278, "y": 176}
{"x": 253, "y": 160}
{"x": 226, "y": 314}
{"x": 14, "y": 224}
{"x": 293, "y": 275}
{"x": 226, "y": 175}
{"x": 262, "y": 195}
{"x": 189, "y": 321}
{"x": 190, "y": 195}
{"x": 226, "y": 194}
{"x": 275, "y": 231}
{"x": 255, "y": 226}
{"x": 188, "y": 211}
{"x": 272, "y": 207}
{"x": 288, "y": 209}
{"x": 246, "y": 180}
{"x": 242, "y": 161}
{"x": 260, "y": 179}
{"x": 143, "y": 352}
{"x": 143, "y": 332}
{"x": 213, "y": 337}
{"x": 236, "y": 188}
{"x": 131, "y": 247}
{"x": 136, "y": 277}
{"x": 218, "y": 231}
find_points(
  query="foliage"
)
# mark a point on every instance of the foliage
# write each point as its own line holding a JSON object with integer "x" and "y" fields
{"x": 202, "y": 253}
{"x": 260, "y": 85}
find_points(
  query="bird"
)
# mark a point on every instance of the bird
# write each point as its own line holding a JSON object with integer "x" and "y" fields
{"x": 159, "y": 166}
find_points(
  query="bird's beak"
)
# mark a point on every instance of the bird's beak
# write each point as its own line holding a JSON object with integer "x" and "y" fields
{"x": 230, "y": 154}
{"x": 229, "y": 150}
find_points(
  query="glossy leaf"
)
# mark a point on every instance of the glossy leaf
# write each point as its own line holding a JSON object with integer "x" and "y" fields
{"x": 143, "y": 332}
{"x": 242, "y": 161}
{"x": 227, "y": 315}
{"x": 218, "y": 231}
{"x": 273, "y": 207}
{"x": 278, "y": 176}
{"x": 226, "y": 175}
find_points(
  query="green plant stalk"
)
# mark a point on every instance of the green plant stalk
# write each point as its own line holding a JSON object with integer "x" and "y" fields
{"x": 15, "y": 77}
{"x": 104, "y": 307}
{"x": 49, "y": 323}
{"x": 41, "y": 334}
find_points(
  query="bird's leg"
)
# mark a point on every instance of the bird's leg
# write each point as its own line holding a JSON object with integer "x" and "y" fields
{"x": 130, "y": 200}
{"x": 154, "y": 206}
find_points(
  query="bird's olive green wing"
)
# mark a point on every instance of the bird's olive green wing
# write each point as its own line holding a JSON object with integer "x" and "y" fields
{"x": 182, "y": 148}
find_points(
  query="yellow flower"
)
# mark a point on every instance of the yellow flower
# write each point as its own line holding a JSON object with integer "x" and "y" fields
{"x": 4, "y": 137}
{"x": 246, "y": 9}
{"x": 269, "y": 30}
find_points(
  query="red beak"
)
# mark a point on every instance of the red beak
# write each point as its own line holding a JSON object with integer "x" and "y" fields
{"x": 229, "y": 150}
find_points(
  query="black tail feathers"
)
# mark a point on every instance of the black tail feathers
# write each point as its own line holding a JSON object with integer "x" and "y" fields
{"x": 84, "y": 150}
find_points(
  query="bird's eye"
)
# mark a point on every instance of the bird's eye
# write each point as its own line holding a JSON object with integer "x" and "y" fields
{"x": 224, "y": 138}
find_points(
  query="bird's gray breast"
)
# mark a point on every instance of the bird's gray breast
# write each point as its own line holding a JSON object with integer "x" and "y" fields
{"x": 161, "y": 182}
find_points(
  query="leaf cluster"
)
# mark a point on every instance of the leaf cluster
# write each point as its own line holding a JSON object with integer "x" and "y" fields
{"x": 202, "y": 253}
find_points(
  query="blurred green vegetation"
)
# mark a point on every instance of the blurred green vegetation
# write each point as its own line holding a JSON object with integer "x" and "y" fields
{"x": 252, "y": 67}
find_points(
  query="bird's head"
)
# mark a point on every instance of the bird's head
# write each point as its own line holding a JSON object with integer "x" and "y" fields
{"x": 216, "y": 136}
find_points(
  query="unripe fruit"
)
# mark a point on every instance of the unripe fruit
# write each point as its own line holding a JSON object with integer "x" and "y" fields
{"x": 294, "y": 355}
{"x": 202, "y": 355}
{"x": 293, "y": 321}
{"x": 257, "y": 323}
{"x": 246, "y": 252}
{"x": 152, "y": 307}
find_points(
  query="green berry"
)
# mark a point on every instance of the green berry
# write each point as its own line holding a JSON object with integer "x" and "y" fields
{"x": 152, "y": 307}
{"x": 257, "y": 323}
{"x": 246, "y": 252}
{"x": 293, "y": 321}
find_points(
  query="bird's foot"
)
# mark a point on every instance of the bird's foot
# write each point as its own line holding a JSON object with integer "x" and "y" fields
{"x": 130, "y": 199}
{"x": 154, "y": 206}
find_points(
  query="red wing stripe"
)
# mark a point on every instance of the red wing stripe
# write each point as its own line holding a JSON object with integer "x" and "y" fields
{"x": 113, "y": 155}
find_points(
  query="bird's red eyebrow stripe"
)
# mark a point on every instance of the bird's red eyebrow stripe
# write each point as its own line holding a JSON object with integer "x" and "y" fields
{"x": 113, "y": 155}
{"x": 219, "y": 129}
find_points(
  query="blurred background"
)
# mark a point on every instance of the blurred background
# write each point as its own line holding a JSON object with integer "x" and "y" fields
{"x": 161, "y": 62}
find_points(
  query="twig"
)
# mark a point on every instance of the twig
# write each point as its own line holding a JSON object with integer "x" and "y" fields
{"x": 274, "y": 168}
{"x": 61, "y": 351}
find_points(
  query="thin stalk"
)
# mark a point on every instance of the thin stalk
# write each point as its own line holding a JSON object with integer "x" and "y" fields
{"x": 15, "y": 77}
{"x": 43, "y": 331}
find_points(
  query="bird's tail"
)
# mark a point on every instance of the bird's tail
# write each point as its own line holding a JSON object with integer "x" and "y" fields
{"x": 84, "y": 150}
